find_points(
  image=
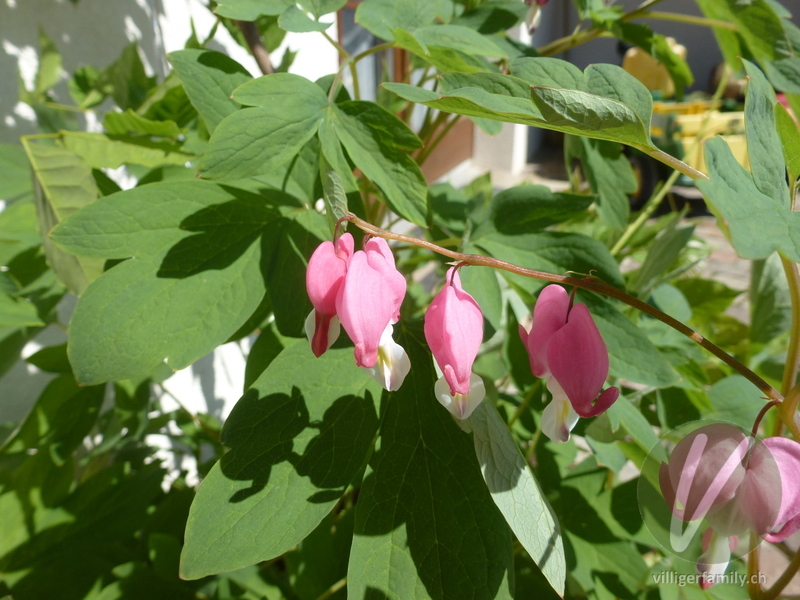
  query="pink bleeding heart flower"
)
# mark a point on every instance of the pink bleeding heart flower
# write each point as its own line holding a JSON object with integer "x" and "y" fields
{"x": 324, "y": 277}
{"x": 737, "y": 484}
{"x": 368, "y": 304}
{"x": 454, "y": 331}
{"x": 565, "y": 348}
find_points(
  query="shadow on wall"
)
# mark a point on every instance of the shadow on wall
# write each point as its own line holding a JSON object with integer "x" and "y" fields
{"x": 90, "y": 32}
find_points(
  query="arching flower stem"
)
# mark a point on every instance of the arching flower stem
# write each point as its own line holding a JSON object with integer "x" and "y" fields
{"x": 592, "y": 284}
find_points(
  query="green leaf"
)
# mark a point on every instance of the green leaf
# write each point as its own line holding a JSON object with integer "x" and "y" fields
{"x": 333, "y": 193}
{"x": 758, "y": 224}
{"x": 250, "y": 10}
{"x": 49, "y": 71}
{"x": 656, "y": 45}
{"x": 288, "y": 244}
{"x": 64, "y": 185}
{"x": 552, "y": 72}
{"x": 790, "y": 141}
{"x": 130, "y": 83}
{"x": 609, "y": 174}
{"x": 320, "y": 560}
{"x": 254, "y": 141}
{"x": 382, "y": 17}
{"x": 529, "y": 208}
{"x": 426, "y": 526}
{"x": 665, "y": 249}
{"x": 209, "y": 79}
{"x": 194, "y": 279}
{"x": 14, "y": 166}
{"x": 18, "y": 312}
{"x": 517, "y": 493}
{"x": 373, "y": 138}
{"x": 265, "y": 349}
{"x": 332, "y": 150}
{"x": 735, "y": 400}
{"x": 461, "y": 39}
{"x": 296, "y": 20}
{"x": 322, "y": 7}
{"x": 604, "y": 103}
{"x": 62, "y": 416}
{"x": 52, "y": 359}
{"x": 493, "y": 17}
{"x": 582, "y": 113}
{"x": 300, "y": 177}
{"x": 298, "y": 437}
{"x": 509, "y": 103}
{"x": 628, "y": 416}
{"x": 128, "y": 122}
{"x": 764, "y": 148}
{"x": 482, "y": 284}
{"x": 770, "y": 302}
{"x": 101, "y": 151}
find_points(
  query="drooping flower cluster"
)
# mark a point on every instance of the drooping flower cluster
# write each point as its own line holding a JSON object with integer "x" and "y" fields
{"x": 363, "y": 291}
{"x": 738, "y": 484}
{"x": 566, "y": 349}
{"x": 454, "y": 330}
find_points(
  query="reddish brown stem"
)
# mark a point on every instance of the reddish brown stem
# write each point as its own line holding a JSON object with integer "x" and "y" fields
{"x": 587, "y": 283}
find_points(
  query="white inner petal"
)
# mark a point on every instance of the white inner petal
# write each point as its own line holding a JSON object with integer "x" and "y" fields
{"x": 393, "y": 363}
{"x": 460, "y": 406}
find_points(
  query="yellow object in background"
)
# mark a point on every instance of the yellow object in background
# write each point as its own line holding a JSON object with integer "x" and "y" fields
{"x": 649, "y": 71}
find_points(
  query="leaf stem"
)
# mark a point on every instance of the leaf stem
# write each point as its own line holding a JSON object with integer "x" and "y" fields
{"x": 333, "y": 589}
{"x": 649, "y": 208}
{"x": 426, "y": 152}
{"x": 793, "y": 356}
{"x": 688, "y": 19}
{"x": 589, "y": 283}
{"x": 524, "y": 404}
{"x": 344, "y": 54}
{"x": 673, "y": 162}
{"x": 793, "y": 352}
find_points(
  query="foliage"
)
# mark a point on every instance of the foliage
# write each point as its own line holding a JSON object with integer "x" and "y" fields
{"x": 320, "y": 484}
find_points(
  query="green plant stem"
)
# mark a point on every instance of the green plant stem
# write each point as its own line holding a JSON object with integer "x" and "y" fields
{"x": 793, "y": 353}
{"x": 333, "y": 589}
{"x": 423, "y": 156}
{"x": 354, "y": 75}
{"x": 344, "y": 54}
{"x": 587, "y": 283}
{"x": 753, "y": 585}
{"x": 373, "y": 50}
{"x": 524, "y": 404}
{"x": 649, "y": 208}
{"x": 688, "y": 19}
{"x": 673, "y": 162}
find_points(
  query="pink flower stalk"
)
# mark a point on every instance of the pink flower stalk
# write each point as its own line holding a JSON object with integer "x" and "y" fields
{"x": 324, "y": 277}
{"x": 454, "y": 331}
{"x": 566, "y": 349}
{"x": 737, "y": 484}
{"x": 368, "y": 304}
